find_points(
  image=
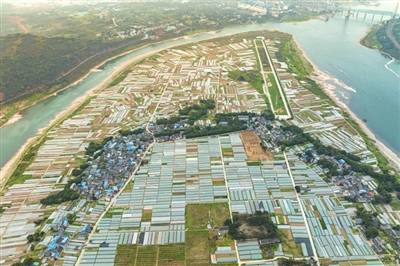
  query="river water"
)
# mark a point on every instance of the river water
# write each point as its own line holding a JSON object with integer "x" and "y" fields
{"x": 362, "y": 81}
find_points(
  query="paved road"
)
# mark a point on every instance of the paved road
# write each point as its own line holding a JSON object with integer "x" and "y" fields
{"x": 315, "y": 254}
{"x": 391, "y": 36}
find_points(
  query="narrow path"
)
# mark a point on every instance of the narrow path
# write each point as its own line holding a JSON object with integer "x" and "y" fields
{"x": 315, "y": 254}
{"x": 229, "y": 198}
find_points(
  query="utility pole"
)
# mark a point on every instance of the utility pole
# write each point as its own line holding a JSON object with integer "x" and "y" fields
{"x": 396, "y": 9}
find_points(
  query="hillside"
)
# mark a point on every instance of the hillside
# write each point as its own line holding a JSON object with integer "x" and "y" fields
{"x": 30, "y": 63}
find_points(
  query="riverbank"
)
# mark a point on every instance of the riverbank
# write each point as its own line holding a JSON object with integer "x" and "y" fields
{"x": 13, "y": 119}
{"x": 30, "y": 101}
{"x": 370, "y": 40}
{"x": 10, "y": 166}
{"x": 322, "y": 79}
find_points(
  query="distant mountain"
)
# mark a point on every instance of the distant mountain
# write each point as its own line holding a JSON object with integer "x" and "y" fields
{"x": 31, "y": 63}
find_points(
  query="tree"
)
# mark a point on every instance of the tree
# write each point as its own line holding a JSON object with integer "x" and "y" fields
{"x": 371, "y": 232}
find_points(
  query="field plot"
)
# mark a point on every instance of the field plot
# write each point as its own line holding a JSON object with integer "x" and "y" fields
{"x": 276, "y": 97}
{"x": 171, "y": 255}
{"x": 197, "y": 248}
{"x": 134, "y": 255}
{"x": 146, "y": 255}
{"x": 126, "y": 255}
{"x": 334, "y": 233}
{"x": 253, "y": 148}
{"x": 201, "y": 239}
{"x": 199, "y": 216}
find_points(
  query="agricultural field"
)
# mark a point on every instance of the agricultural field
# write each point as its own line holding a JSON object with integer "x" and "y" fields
{"x": 202, "y": 216}
{"x": 255, "y": 153}
{"x": 200, "y": 219}
{"x": 134, "y": 255}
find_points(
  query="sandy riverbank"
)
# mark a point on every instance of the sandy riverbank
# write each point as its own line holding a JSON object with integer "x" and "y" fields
{"x": 13, "y": 119}
{"x": 76, "y": 82}
{"x": 322, "y": 79}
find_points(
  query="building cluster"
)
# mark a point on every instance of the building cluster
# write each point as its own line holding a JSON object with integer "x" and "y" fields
{"x": 262, "y": 7}
{"x": 278, "y": 9}
{"x": 271, "y": 134}
{"x": 331, "y": 228}
{"x": 104, "y": 176}
{"x": 356, "y": 188}
{"x": 143, "y": 33}
{"x": 112, "y": 165}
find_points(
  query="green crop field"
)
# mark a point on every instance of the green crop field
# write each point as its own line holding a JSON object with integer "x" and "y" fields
{"x": 197, "y": 248}
{"x": 276, "y": 98}
{"x": 134, "y": 255}
{"x": 198, "y": 216}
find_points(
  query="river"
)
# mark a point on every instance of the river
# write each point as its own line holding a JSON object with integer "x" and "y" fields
{"x": 362, "y": 81}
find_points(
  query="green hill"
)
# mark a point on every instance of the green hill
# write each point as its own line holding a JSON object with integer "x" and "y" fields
{"x": 30, "y": 63}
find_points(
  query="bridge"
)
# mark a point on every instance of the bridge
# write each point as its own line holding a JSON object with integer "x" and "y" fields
{"x": 367, "y": 14}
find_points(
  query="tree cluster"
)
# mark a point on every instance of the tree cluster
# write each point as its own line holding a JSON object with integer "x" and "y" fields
{"x": 196, "y": 112}
{"x": 387, "y": 183}
{"x": 368, "y": 222}
{"x": 35, "y": 237}
{"x": 260, "y": 223}
{"x": 128, "y": 132}
{"x": 329, "y": 165}
{"x": 95, "y": 146}
{"x": 67, "y": 194}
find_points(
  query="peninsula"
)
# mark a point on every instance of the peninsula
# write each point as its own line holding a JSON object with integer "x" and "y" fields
{"x": 221, "y": 151}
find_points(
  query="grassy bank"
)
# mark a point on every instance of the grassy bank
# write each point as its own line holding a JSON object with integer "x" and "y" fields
{"x": 121, "y": 76}
{"x": 7, "y": 111}
{"x": 290, "y": 53}
{"x": 370, "y": 40}
{"x": 18, "y": 177}
{"x": 276, "y": 97}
